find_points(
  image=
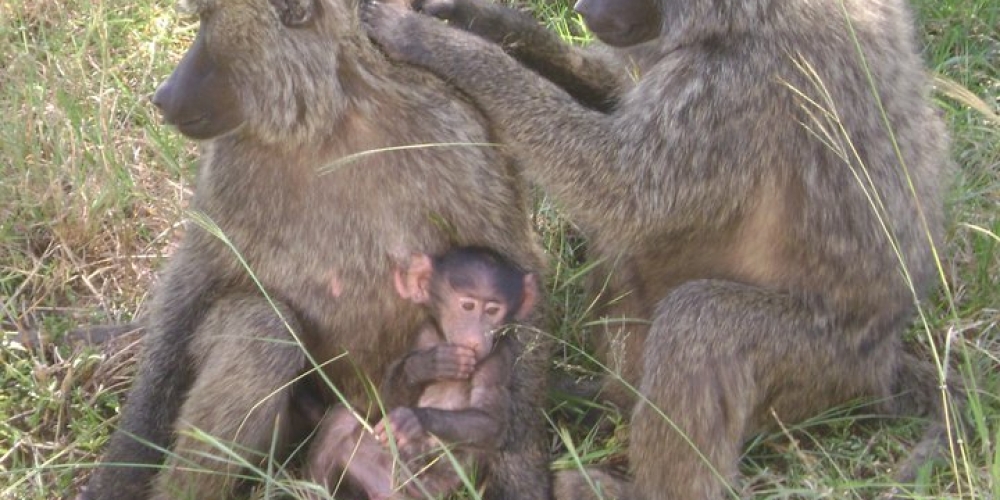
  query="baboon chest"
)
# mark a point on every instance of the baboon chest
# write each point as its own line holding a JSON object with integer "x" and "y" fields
{"x": 317, "y": 246}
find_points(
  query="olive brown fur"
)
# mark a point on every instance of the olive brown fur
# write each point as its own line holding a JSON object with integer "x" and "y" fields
{"x": 764, "y": 197}
{"x": 323, "y": 164}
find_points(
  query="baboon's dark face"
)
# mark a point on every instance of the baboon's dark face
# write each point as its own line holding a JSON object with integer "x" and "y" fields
{"x": 251, "y": 63}
{"x": 621, "y": 23}
{"x": 199, "y": 98}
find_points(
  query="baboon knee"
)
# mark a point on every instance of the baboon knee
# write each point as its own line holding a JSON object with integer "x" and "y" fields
{"x": 241, "y": 393}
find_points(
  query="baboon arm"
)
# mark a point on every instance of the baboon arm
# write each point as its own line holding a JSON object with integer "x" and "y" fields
{"x": 619, "y": 174}
{"x": 164, "y": 375}
{"x": 472, "y": 428}
{"x": 594, "y": 80}
{"x": 484, "y": 423}
{"x": 398, "y": 388}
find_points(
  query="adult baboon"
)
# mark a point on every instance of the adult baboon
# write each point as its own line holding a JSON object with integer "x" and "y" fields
{"x": 284, "y": 93}
{"x": 767, "y": 193}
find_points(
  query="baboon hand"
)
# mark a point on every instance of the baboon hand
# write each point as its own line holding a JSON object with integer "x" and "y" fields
{"x": 441, "y": 9}
{"x": 441, "y": 362}
{"x": 399, "y": 31}
{"x": 482, "y": 18}
{"x": 405, "y": 4}
{"x": 402, "y": 425}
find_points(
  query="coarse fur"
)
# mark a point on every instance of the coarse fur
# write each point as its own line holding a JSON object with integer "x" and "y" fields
{"x": 450, "y": 391}
{"x": 284, "y": 92}
{"x": 766, "y": 194}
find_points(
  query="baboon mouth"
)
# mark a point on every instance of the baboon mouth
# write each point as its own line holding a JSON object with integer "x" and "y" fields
{"x": 612, "y": 37}
{"x": 623, "y": 37}
{"x": 187, "y": 123}
{"x": 200, "y": 127}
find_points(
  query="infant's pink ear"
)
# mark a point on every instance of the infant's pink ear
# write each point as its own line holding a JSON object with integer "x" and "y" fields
{"x": 413, "y": 281}
{"x": 530, "y": 297}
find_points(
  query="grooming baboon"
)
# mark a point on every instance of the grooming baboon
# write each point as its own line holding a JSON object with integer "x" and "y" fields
{"x": 451, "y": 388}
{"x": 767, "y": 194}
{"x": 323, "y": 165}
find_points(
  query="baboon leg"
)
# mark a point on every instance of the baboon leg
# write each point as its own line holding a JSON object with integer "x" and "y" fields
{"x": 165, "y": 372}
{"x": 918, "y": 388}
{"x": 722, "y": 361}
{"x": 239, "y": 398}
{"x": 514, "y": 469}
{"x": 341, "y": 444}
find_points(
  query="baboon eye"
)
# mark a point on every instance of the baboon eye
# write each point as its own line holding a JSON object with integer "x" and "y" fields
{"x": 493, "y": 310}
{"x": 468, "y": 305}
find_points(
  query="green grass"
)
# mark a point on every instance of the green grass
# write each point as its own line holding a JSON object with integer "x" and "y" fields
{"x": 92, "y": 189}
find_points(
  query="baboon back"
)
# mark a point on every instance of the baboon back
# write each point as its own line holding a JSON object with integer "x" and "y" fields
{"x": 767, "y": 193}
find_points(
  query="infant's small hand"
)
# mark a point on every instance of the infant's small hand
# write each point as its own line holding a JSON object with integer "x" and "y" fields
{"x": 402, "y": 425}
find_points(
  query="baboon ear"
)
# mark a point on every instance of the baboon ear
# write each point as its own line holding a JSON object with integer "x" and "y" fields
{"x": 295, "y": 13}
{"x": 530, "y": 297}
{"x": 413, "y": 281}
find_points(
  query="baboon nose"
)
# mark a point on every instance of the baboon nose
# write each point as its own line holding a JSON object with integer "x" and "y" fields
{"x": 164, "y": 95}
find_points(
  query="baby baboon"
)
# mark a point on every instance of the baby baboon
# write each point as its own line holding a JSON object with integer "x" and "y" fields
{"x": 285, "y": 95}
{"x": 457, "y": 370}
{"x": 766, "y": 194}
